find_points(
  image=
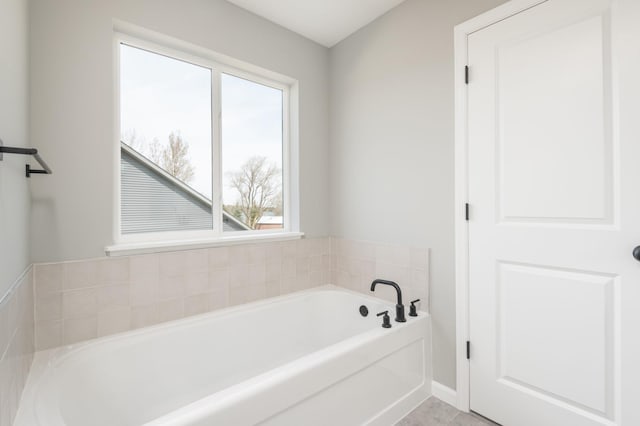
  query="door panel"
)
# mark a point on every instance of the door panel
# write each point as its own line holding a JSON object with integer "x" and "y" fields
{"x": 553, "y": 152}
{"x": 539, "y": 355}
{"x": 538, "y": 139}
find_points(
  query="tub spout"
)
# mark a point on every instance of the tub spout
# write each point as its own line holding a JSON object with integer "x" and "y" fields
{"x": 399, "y": 306}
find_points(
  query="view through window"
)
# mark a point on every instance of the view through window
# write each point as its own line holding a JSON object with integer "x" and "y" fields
{"x": 168, "y": 148}
{"x": 252, "y": 152}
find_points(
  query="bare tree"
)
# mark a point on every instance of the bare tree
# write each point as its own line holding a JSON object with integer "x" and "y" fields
{"x": 277, "y": 204}
{"x": 152, "y": 150}
{"x": 131, "y": 138}
{"x": 175, "y": 158}
{"x": 257, "y": 183}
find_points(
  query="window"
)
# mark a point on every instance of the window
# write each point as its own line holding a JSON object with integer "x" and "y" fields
{"x": 203, "y": 147}
{"x": 252, "y": 152}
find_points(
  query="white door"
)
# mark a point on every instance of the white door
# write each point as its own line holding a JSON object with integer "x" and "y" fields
{"x": 554, "y": 193}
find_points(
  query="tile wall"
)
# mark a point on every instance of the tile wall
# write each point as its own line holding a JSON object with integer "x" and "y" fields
{"x": 354, "y": 264}
{"x": 16, "y": 344}
{"x": 76, "y": 301}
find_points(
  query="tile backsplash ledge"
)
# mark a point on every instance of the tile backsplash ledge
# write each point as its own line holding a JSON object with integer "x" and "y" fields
{"x": 80, "y": 300}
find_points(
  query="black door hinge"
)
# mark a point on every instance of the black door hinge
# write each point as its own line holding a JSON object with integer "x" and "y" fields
{"x": 466, "y": 211}
{"x": 468, "y": 350}
{"x": 466, "y": 74}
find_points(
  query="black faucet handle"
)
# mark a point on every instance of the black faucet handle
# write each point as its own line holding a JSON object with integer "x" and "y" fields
{"x": 413, "y": 312}
{"x": 386, "y": 321}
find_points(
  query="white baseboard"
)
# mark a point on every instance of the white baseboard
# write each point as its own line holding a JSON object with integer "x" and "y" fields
{"x": 444, "y": 393}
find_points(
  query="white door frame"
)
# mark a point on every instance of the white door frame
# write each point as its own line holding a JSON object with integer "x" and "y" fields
{"x": 461, "y": 32}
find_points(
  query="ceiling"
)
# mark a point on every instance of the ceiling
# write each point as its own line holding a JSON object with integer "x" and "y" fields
{"x": 324, "y": 21}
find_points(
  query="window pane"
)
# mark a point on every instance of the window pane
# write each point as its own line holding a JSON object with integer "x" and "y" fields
{"x": 166, "y": 177}
{"x": 252, "y": 154}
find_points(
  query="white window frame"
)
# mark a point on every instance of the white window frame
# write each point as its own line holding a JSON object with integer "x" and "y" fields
{"x": 127, "y": 244}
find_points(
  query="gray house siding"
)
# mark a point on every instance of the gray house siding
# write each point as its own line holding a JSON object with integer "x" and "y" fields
{"x": 150, "y": 202}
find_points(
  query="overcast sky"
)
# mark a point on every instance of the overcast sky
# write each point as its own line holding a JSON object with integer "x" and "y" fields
{"x": 160, "y": 95}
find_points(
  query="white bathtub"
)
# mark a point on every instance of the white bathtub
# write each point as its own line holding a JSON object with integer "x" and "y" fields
{"x": 307, "y": 358}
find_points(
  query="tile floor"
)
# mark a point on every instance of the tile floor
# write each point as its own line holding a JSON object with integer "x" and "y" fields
{"x": 434, "y": 412}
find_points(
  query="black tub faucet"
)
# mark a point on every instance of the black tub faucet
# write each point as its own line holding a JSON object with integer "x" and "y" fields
{"x": 399, "y": 306}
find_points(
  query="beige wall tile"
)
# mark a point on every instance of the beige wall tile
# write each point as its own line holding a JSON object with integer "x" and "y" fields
{"x": 173, "y": 263}
{"x": 136, "y": 291}
{"x": 113, "y": 271}
{"x": 289, "y": 267}
{"x": 355, "y": 264}
{"x": 197, "y": 260}
{"x": 144, "y": 315}
{"x": 272, "y": 288}
{"x": 143, "y": 292}
{"x": 238, "y": 255}
{"x": 196, "y": 282}
{"x": 327, "y": 277}
{"x": 302, "y": 281}
{"x": 114, "y": 321}
{"x": 315, "y": 278}
{"x": 238, "y": 276}
{"x": 7, "y": 391}
{"x": 315, "y": 262}
{"x": 80, "y": 303}
{"x": 256, "y": 291}
{"x": 218, "y": 299}
{"x": 218, "y": 256}
{"x": 49, "y": 277}
{"x": 237, "y": 295}
{"x": 170, "y": 309}
{"x": 257, "y": 273}
{"x": 302, "y": 265}
{"x": 393, "y": 272}
{"x": 79, "y": 329}
{"x": 196, "y": 304}
{"x": 287, "y": 285}
{"x": 80, "y": 275}
{"x": 113, "y": 297}
{"x": 6, "y": 331}
{"x": 49, "y": 307}
{"x": 144, "y": 269}
{"x": 274, "y": 253}
{"x": 303, "y": 247}
{"x": 171, "y": 287}
{"x": 257, "y": 253}
{"x": 289, "y": 250}
{"x": 218, "y": 278}
{"x": 273, "y": 271}
{"x": 419, "y": 258}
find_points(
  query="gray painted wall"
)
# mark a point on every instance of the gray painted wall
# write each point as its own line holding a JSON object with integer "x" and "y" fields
{"x": 14, "y": 97}
{"x": 72, "y": 107}
{"x": 392, "y": 144}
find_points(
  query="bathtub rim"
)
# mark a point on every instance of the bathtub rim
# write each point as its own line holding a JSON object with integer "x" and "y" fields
{"x": 32, "y": 411}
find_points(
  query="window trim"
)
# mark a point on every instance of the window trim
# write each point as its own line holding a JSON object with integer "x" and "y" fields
{"x": 218, "y": 64}
{"x": 147, "y": 247}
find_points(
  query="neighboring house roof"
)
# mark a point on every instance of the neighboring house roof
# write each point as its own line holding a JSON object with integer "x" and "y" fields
{"x": 152, "y": 200}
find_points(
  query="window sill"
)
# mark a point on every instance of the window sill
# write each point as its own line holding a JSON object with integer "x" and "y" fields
{"x": 148, "y": 247}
